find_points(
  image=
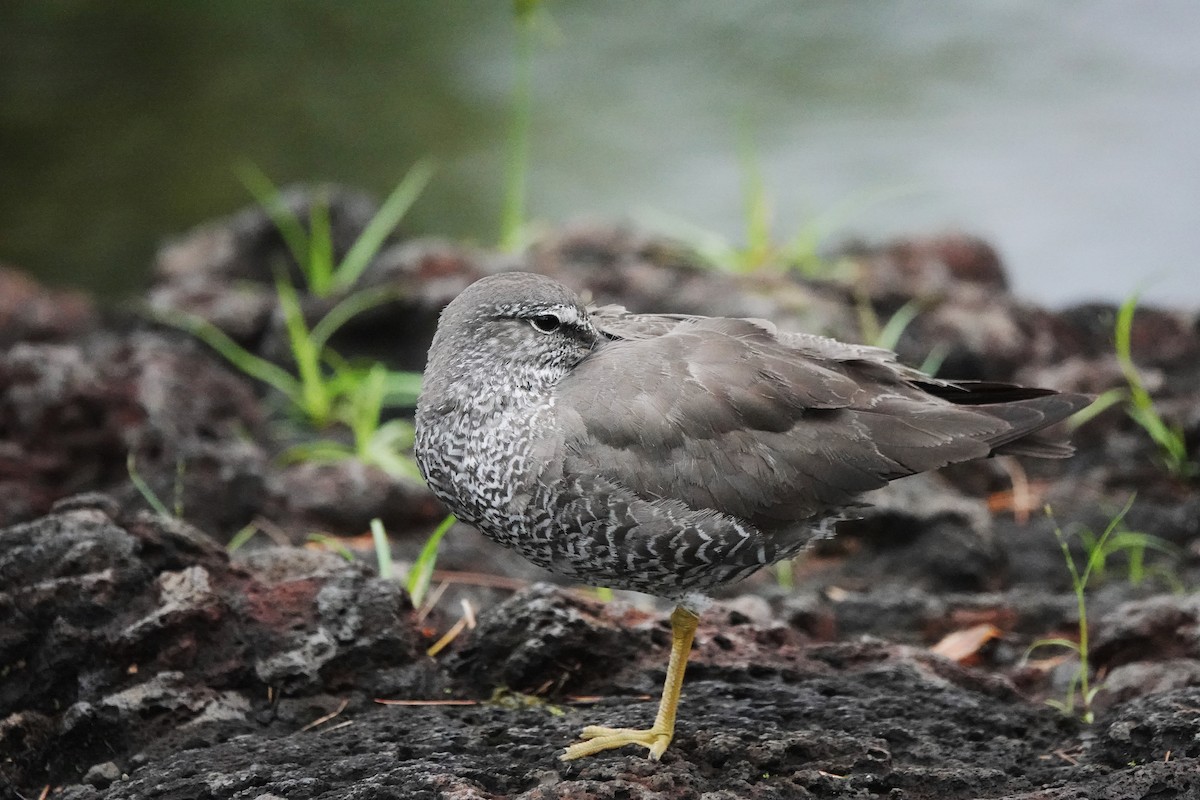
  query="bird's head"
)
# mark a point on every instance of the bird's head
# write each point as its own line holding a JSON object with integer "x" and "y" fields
{"x": 529, "y": 329}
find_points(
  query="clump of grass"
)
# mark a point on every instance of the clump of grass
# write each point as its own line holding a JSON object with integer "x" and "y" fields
{"x": 762, "y": 248}
{"x": 1139, "y": 405}
{"x": 421, "y": 574}
{"x": 381, "y": 444}
{"x": 314, "y": 391}
{"x": 325, "y": 389}
{"x": 1080, "y": 691}
{"x": 312, "y": 246}
{"x": 1134, "y": 545}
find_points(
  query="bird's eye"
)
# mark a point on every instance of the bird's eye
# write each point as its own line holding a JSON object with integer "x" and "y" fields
{"x": 545, "y": 323}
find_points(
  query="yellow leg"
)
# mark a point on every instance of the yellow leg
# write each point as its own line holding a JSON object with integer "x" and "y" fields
{"x": 656, "y": 738}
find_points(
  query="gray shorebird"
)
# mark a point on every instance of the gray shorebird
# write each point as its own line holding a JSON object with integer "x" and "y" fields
{"x": 670, "y": 454}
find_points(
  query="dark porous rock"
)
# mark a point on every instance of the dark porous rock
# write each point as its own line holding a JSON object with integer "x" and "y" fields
{"x": 1141, "y": 678}
{"x": 544, "y": 640}
{"x": 345, "y": 495}
{"x": 29, "y": 312}
{"x": 1171, "y": 780}
{"x": 1160, "y": 627}
{"x": 886, "y": 611}
{"x": 918, "y": 532}
{"x": 763, "y": 714}
{"x": 101, "y": 775}
{"x": 1160, "y": 340}
{"x": 241, "y": 310}
{"x": 651, "y": 274}
{"x": 926, "y": 267}
{"x": 139, "y": 660}
{"x": 1159, "y": 727}
{"x": 121, "y": 635}
{"x": 224, "y": 273}
{"x": 70, "y": 416}
{"x": 247, "y": 245}
{"x": 977, "y": 333}
{"x": 864, "y": 720}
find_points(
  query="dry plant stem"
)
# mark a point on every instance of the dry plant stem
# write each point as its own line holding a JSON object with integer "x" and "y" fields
{"x": 322, "y": 720}
{"x": 1022, "y": 497}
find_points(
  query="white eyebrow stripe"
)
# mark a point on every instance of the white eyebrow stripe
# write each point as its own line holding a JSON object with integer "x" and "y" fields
{"x": 568, "y": 314}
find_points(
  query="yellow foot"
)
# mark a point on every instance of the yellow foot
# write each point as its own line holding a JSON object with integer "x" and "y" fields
{"x": 597, "y": 739}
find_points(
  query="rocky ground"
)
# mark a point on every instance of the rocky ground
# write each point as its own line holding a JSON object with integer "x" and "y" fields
{"x": 139, "y": 658}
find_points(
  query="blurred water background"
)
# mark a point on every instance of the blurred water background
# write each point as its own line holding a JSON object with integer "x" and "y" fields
{"x": 1066, "y": 133}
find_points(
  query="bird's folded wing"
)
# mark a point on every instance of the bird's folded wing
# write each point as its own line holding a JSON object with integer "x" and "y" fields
{"x": 723, "y": 414}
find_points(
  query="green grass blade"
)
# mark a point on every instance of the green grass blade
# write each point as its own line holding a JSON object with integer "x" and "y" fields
{"x": 365, "y": 407}
{"x": 422, "y": 571}
{"x": 1123, "y": 340}
{"x": 403, "y": 389}
{"x": 347, "y": 309}
{"x": 889, "y": 337}
{"x": 321, "y": 450}
{"x": 785, "y": 575}
{"x": 256, "y": 367}
{"x": 383, "y": 549}
{"x": 318, "y": 266}
{"x": 144, "y": 488}
{"x": 711, "y": 248}
{"x": 177, "y": 505}
{"x": 316, "y": 402}
{"x": 240, "y": 538}
{"x": 1170, "y": 441}
{"x": 1104, "y": 401}
{"x": 933, "y": 361}
{"x": 1053, "y": 642}
{"x": 382, "y": 224}
{"x": 388, "y": 449}
{"x": 333, "y": 543}
{"x": 1097, "y": 553}
{"x": 267, "y": 195}
{"x": 868, "y": 321}
{"x": 1148, "y": 541}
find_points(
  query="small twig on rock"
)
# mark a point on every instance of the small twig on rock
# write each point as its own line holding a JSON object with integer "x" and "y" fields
{"x": 467, "y": 620}
{"x": 327, "y": 717}
{"x": 426, "y": 702}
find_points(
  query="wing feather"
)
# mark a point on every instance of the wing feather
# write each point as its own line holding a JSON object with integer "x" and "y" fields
{"x": 728, "y": 415}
